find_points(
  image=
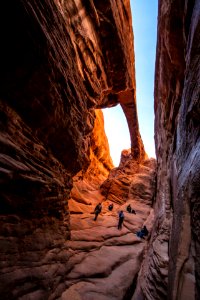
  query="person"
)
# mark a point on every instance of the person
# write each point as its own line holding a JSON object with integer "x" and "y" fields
{"x": 143, "y": 232}
{"x": 129, "y": 209}
{"x": 133, "y": 211}
{"x": 140, "y": 234}
{"x": 97, "y": 211}
{"x": 121, "y": 219}
{"x": 110, "y": 206}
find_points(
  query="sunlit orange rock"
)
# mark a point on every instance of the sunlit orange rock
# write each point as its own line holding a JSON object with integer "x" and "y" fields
{"x": 86, "y": 183}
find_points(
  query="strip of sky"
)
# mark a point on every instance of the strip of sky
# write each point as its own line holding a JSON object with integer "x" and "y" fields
{"x": 144, "y": 16}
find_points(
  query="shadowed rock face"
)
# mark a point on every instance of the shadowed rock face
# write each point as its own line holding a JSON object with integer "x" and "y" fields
{"x": 58, "y": 63}
{"x": 34, "y": 220}
{"x": 173, "y": 260}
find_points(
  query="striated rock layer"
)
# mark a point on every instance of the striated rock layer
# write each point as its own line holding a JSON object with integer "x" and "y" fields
{"x": 172, "y": 266}
{"x": 34, "y": 220}
{"x": 60, "y": 60}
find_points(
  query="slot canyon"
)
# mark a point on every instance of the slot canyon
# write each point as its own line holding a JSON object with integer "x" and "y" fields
{"x": 61, "y": 63}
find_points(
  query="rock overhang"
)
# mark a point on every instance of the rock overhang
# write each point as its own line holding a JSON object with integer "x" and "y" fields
{"x": 69, "y": 58}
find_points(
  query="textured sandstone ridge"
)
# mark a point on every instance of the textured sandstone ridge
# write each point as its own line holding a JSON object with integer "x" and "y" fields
{"x": 172, "y": 266}
{"x": 120, "y": 184}
{"x": 59, "y": 61}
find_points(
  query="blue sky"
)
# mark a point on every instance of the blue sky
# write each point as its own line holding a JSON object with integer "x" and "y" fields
{"x": 144, "y": 17}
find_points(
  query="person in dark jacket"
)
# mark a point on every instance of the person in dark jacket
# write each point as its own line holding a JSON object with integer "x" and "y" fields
{"x": 110, "y": 206}
{"x": 97, "y": 211}
{"x": 143, "y": 232}
{"x": 129, "y": 209}
{"x": 121, "y": 219}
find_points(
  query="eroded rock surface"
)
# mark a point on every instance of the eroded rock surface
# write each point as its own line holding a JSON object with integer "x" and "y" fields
{"x": 173, "y": 258}
{"x": 105, "y": 261}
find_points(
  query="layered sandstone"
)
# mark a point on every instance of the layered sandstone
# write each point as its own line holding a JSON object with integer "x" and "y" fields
{"x": 58, "y": 63}
{"x": 172, "y": 266}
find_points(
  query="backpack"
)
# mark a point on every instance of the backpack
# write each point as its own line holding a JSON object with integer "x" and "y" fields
{"x": 121, "y": 214}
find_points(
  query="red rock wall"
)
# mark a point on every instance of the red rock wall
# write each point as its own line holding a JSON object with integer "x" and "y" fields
{"x": 59, "y": 61}
{"x": 171, "y": 269}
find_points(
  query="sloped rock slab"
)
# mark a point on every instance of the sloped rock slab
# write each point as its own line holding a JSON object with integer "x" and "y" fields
{"x": 105, "y": 261}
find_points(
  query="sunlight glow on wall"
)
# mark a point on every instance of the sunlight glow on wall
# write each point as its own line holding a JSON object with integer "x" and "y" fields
{"x": 117, "y": 132}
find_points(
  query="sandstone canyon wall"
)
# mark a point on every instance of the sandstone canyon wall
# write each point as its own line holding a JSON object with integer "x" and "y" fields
{"x": 172, "y": 267}
{"x": 59, "y": 60}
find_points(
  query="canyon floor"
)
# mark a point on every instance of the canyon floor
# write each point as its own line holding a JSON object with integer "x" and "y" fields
{"x": 104, "y": 261}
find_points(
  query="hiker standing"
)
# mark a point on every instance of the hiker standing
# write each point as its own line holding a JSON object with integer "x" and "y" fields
{"x": 129, "y": 209}
{"x": 121, "y": 219}
{"x": 110, "y": 207}
{"x": 97, "y": 211}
